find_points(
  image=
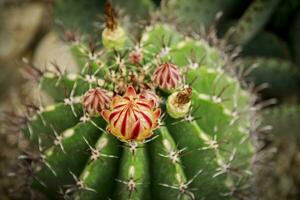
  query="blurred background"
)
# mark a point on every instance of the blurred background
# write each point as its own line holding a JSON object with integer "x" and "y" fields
{"x": 35, "y": 33}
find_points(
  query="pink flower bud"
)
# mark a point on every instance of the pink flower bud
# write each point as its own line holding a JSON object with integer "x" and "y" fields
{"x": 95, "y": 100}
{"x": 167, "y": 77}
{"x": 135, "y": 57}
{"x": 150, "y": 95}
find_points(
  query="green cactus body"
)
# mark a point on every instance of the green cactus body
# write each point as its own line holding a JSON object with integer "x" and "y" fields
{"x": 252, "y": 21}
{"x": 203, "y": 155}
{"x": 200, "y": 13}
{"x": 277, "y": 120}
{"x": 267, "y": 44}
{"x": 281, "y": 76}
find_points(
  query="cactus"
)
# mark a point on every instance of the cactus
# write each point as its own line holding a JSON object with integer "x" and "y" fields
{"x": 200, "y": 14}
{"x": 80, "y": 14}
{"x": 252, "y": 21}
{"x": 83, "y": 15}
{"x": 281, "y": 76}
{"x": 112, "y": 135}
{"x": 277, "y": 159}
{"x": 136, "y": 9}
{"x": 268, "y": 45}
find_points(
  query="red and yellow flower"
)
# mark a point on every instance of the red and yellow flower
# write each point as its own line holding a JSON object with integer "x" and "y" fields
{"x": 132, "y": 117}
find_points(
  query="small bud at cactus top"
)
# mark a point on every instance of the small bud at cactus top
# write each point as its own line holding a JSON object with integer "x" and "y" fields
{"x": 150, "y": 95}
{"x": 167, "y": 77}
{"x": 113, "y": 39}
{"x": 132, "y": 118}
{"x": 179, "y": 103}
{"x": 136, "y": 56}
{"x": 113, "y": 36}
{"x": 95, "y": 100}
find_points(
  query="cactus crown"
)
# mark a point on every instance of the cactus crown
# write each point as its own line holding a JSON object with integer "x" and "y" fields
{"x": 203, "y": 152}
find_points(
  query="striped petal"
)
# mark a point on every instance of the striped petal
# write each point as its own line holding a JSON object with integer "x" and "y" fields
{"x": 130, "y": 92}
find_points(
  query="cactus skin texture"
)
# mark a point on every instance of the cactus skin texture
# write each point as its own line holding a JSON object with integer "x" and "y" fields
{"x": 204, "y": 155}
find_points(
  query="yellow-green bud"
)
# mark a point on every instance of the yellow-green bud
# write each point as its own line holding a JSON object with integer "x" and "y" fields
{"x": 179, "y": 103}
{"x": 114, "y": 39}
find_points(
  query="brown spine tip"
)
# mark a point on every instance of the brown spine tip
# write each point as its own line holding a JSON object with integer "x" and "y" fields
{"x": 184, "y": 96}
{"x": 110, "y": 16}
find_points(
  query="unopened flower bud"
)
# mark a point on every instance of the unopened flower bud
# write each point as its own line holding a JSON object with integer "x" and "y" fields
{"x": 113, "y": 36}
{"x": 136, "y": 56}
{"x": 114, "y": 39}
{"x": 95, "y": 100}
{"x": 167, "y": 77}
{"x": 150, "y": 95}
{"x": 131, "y": 117}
